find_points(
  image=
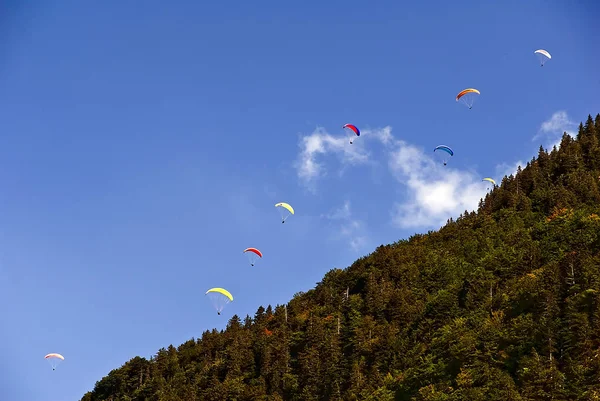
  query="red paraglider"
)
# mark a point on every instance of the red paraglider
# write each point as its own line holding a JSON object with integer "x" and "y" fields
{"x": 253, "y": 253}
{"x": 354, "y": 129}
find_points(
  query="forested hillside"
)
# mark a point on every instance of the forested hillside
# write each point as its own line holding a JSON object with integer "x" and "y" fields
{"x": 499, "y": 304}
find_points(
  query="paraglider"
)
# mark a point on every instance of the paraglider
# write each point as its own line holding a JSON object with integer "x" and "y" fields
{"x": 444, "y": 151}
{"x": 285, "y": 210}
{"x": 352, "y": 131}
{"x": 490, "y": 180}
{"x": 54, "y": 359}
{"x": 543, "y": 56}
{"x": 253, "y": 254}
{"x": 219, "y": 297}
{"x": 468, "y": 96}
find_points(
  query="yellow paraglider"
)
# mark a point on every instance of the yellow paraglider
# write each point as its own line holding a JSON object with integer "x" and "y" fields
{"x": 283, "y": 207}
{"x": 219, "y": 297}
{"x": 468, "y": 96}
{"x": 489, "y": 180}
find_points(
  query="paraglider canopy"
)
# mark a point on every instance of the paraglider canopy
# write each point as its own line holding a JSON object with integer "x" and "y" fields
{"x": 468, "y": 96}
{"x": 285, "y": 209}
{"x": 353, "y": 131}
{"x": 54, "y": 359}
{"x": 253, "y": 254}
{"x": 543, "y": 56}
{"x": 489, "y": 180}
{"x": 444, "y": 152}
{"x": 219, "y": 297}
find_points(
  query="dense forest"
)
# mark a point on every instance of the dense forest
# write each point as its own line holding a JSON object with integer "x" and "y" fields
{"x": 499, "y": 304}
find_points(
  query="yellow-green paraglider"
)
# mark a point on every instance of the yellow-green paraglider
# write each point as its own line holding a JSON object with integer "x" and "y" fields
{"x": 285, "y": 209}
{"x": 54, "y": 359}
{"x": 219, "y": 297}
{"x": 490, "y": 180}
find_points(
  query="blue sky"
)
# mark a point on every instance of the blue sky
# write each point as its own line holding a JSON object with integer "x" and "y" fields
{"x": 142, "y": 149}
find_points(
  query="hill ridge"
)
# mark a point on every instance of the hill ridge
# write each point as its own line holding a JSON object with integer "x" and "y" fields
{"x": 500, "y": 303}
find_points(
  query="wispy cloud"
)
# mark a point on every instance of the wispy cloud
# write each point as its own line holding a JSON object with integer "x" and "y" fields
{"x": 558, "y": 122}
{"x": 340, "y": 213}
{"x": 435, "y": 192}
{"x": 551, "y": 130}
{"x": 506, "y": 169}
{"x": 321, "y": 143}
{"x": 383, "y": 135}
{"x": 349, "y": 228}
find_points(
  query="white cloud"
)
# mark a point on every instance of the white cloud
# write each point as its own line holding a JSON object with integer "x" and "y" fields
{"x": 436, "y": 192}
{"x": 552, "y": 129}
{"x": 557, "y": 122}
{"x": 383, "y": 135}
{"x": 350, "y": 229}
{"x": 506, "y": 169}
{"x": 321, "y": 143}
{"x": 357, "y": 243}
{"x": 340, "y": 213}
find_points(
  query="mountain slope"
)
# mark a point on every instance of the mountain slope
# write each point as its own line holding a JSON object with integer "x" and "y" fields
{"x": 502, "y": 304}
